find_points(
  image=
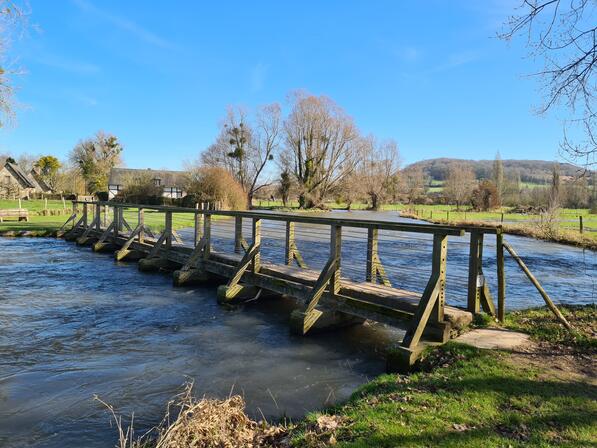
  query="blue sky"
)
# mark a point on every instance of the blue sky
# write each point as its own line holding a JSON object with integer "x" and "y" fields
{"x": 159, "y": 75}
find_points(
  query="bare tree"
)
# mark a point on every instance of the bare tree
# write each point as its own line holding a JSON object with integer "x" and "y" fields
{"x": 413, "y": 184}
{"x": 564, "y": 34}
{"x": 244, "y": 148}
{"x": 11, "y": 18}
{"x": 321, "y": 143}
{"x": 459, "y": 184}
{"x": 378, "y": 170}
{"x": 497, "y": 173}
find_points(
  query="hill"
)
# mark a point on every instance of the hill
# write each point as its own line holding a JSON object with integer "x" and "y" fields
{"x": 531, "y": 171}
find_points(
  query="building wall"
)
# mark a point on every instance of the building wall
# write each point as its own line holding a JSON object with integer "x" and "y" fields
{"x": 10, "y": 187}
{"x": 168, "y": 192}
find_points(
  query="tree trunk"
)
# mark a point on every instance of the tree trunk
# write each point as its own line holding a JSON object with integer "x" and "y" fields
{"x": 374, "y": 201}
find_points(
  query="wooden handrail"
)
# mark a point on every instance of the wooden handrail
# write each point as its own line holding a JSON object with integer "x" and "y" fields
{"x": 307, "y": 219}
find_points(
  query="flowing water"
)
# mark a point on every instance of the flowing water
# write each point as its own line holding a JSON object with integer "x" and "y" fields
{"x": 74, "y": 323}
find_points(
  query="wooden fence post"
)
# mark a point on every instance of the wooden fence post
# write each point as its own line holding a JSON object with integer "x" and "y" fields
{"x": 116, "y": 221}
{"x": 581, "y": 229}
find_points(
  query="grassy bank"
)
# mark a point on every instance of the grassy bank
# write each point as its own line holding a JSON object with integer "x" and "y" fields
{"x": 544, "y": 395}
{"x": 531, "y": 229}
{"x": 479, "y": 398}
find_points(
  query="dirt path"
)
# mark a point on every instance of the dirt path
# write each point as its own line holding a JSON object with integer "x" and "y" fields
{"x": 553, "y": 361}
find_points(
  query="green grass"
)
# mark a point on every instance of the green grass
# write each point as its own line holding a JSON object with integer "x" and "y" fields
{"x": 37, "y": 224}
{"x": 478, "y": 400}
{"x": 467, "y": 397}
{"x": 541, "y": 325}
{"x": 35, "y": 205}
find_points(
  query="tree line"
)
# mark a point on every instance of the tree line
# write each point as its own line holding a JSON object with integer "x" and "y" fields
{"x": 314, "y": 153}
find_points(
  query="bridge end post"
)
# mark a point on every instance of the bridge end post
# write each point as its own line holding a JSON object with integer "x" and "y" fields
{"x": 401, "y": 359}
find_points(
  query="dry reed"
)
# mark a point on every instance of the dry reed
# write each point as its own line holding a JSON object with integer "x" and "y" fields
{"x": 202, "y": 423}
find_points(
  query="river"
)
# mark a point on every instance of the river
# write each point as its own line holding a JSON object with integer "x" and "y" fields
{"x": 74, "y": 323}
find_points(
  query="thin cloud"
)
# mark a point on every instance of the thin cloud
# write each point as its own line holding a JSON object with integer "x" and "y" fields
{"x": 125, "y": 25}
{"x": 258, "y": 74}
{"x": 455, "y": 60}
{"x": 81, "y": 68}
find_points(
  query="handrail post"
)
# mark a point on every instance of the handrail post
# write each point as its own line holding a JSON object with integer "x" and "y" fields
{"x": 140, "y": 224}
{"x": 198, "y": 225}
{"x": 256, "y": 264}
{"x": 168, "y": 230}
{"x": 438, "y": 268}
{"x": 288, "y": 249}
{"x": 474, "y": 265}
{"x": 207, "y": 236}
{"x": 501, "y": 277}
{"x": 238, "y": 234}
{"x": 85, "y": 218}
{"x": 116, "y": 220}
{"x": 97, "y": 217}
{"x": 335, "y": 253}
{"x": 372, "y": 243}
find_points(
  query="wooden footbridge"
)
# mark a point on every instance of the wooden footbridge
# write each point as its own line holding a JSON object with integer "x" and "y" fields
{"x": 325, "y": 296}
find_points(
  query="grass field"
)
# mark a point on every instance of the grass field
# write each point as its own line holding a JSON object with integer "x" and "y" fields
{"x": 35, "y": 205}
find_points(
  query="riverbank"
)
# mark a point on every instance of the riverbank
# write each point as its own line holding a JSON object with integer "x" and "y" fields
{"x": 531, "y": 230}
{"x": 543, "y": 394}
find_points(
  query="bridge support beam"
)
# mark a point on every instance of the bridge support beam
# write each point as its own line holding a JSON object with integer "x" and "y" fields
{"x": 103, "y": 246}
{"x": 156, "y": 264}
{"x": 401, "y": 359}
{"x": 188, "y": 277}
{"x": 237, "y": 293}
{"x": 129, "y": 255}
{"x": 323, "y": 320}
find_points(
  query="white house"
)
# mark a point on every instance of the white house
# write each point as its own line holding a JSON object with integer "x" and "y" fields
{"x": 171, "y": 181}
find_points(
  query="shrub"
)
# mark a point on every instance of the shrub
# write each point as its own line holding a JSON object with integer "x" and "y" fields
{"x": 140, "y": 188}
{"x": 485, "y": 196}
{"x": 214, "y": 184}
